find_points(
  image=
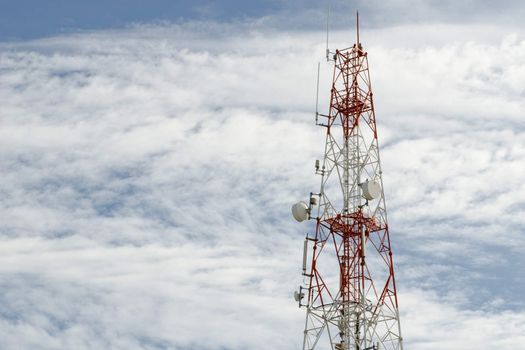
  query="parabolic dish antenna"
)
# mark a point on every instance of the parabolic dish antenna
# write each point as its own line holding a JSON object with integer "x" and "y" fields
{"x": 300, "y": 211}
{"x": 371, "y": 189}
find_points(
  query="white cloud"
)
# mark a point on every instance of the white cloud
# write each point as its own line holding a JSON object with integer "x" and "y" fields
{"x": 147, "y": 176}
{"x": 431, "y": 324}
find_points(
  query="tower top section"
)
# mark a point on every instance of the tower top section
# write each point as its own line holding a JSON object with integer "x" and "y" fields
{"x": 330, "y": 55}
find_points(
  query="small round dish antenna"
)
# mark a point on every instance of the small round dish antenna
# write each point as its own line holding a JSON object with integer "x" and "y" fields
{"x": 298, "y": 295}
{"x": 300, "y": 211}
{"x": 371, "y": 190}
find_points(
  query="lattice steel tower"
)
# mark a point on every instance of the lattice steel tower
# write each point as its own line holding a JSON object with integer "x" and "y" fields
{"x": 349, "y": 291}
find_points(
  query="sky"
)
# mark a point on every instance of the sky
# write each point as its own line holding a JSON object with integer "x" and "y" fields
{"x": 150, "y": 153}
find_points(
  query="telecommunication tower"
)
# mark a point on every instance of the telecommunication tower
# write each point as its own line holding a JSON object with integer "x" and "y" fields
{"x": 349, "y": 287}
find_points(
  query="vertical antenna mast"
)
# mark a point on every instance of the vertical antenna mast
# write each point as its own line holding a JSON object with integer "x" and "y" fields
{"x": 350, "y": 295}
{"x": 327, "y": 30}
{"x": 357, "y": 25}
{"x": 317, "y": 95}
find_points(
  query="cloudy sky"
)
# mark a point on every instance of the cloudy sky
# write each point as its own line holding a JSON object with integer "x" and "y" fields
{"x": 151, "y": 150}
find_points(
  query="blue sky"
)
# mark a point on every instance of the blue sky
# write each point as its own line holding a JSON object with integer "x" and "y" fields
{"x": 31, "y": 19}
{"x": 27, "y": 19}
{"x": 149, "y": 157}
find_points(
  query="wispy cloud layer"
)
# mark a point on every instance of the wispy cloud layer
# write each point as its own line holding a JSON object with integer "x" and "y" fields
{"x": 147, "y": 176}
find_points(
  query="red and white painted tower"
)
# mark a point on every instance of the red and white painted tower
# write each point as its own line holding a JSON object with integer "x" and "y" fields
{"x": 350, "y": 290}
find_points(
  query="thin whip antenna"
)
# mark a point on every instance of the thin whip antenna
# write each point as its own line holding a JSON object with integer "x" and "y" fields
{"x": 327, "y": 30}
{"x": 357, "y": 23}
{"x": 317, "y": 94}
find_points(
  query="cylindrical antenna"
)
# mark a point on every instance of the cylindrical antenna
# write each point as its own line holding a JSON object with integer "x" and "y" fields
{"x": 363, "y": 246}
{"x": 305, "y": 254}
{"x": 327, "y": 30}
{"x": 357, "y": 23}
{"x": 317, "y": 95}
